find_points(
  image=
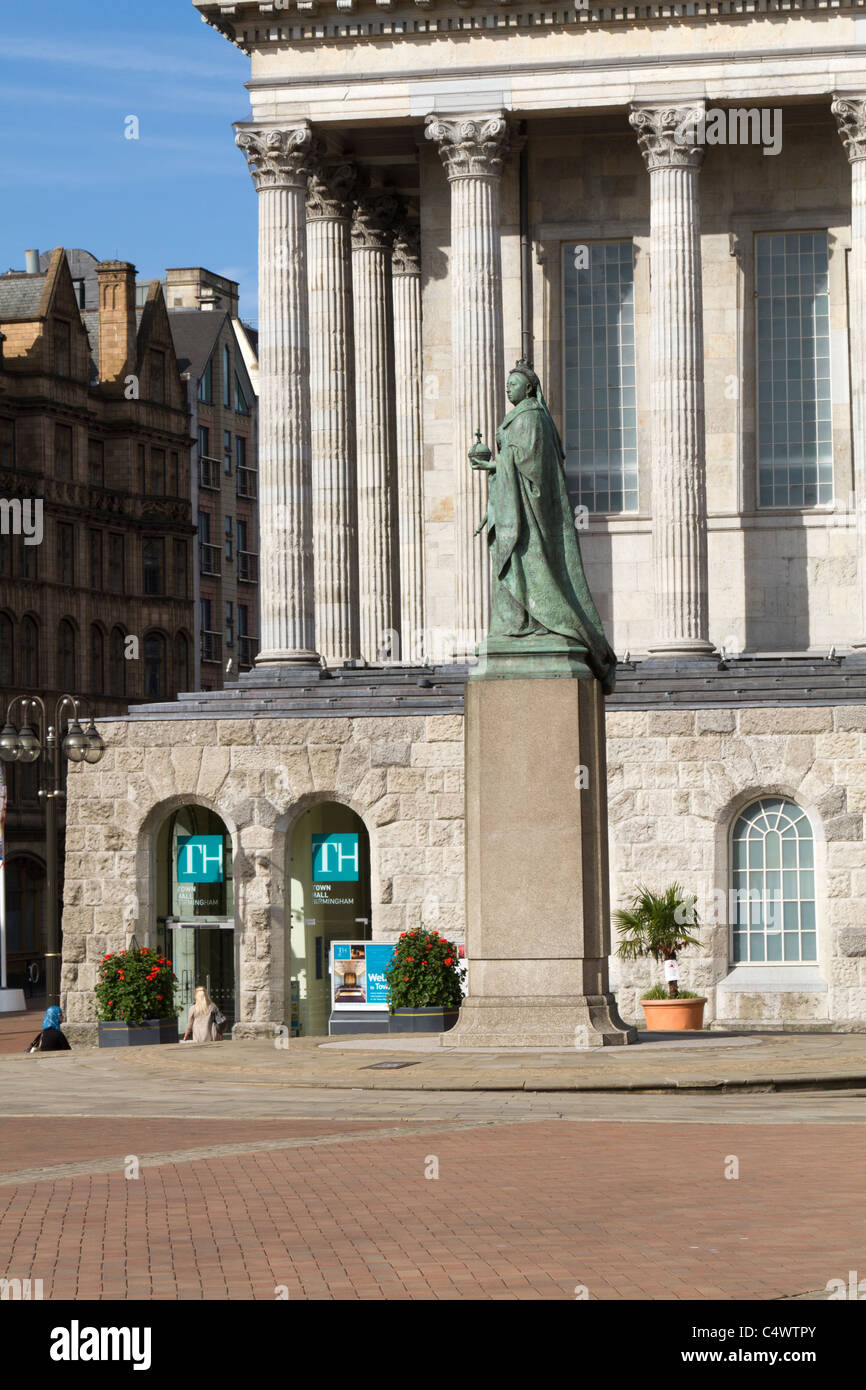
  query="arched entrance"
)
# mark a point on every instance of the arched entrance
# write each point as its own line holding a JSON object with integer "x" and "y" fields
{"x": 25, "y": 919}
{"x": 329, "y": 870}
{"x": 195, "y": 905}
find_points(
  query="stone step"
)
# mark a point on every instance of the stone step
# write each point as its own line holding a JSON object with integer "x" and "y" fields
{"x": 311, "y": 692}
{"x": 275, "y": 709}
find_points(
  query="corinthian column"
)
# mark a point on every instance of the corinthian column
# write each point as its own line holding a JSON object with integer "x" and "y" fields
{"x": 668, "y": 140}
{"x": 279, "y": 161}
{"x": 850, "y": 113}
{"x": 332, "y": 369}
{"x": 473, "y": 150}
{"x": 406, "y": 270}
{"x": 372, "y": 236}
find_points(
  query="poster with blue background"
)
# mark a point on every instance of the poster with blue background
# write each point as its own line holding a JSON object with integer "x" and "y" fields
{"x": 358, "y": 979}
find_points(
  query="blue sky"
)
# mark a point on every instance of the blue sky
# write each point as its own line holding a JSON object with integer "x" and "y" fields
{"x": 71, "y": 72}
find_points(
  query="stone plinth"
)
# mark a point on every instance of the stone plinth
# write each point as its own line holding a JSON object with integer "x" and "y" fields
{"x": 537, "y": 905}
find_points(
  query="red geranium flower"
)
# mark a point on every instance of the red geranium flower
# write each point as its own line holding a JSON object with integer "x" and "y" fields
{"x": 410, "y": 958}
{"x": 405, "y": 977}
{"x": 449, "y": 960}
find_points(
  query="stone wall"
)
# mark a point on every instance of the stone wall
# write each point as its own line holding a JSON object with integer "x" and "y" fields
{"x": 677, "y": 782}
{"x": 402, "y": 775}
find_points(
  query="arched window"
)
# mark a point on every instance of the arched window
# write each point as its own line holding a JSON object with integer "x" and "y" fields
{"x": 7, "y": 661}
{"x": 181, "y": 661}
{"x": 773, "y": 878}
{"x": 29, "y": 669}
{"x": 154, "y": 666}
{"x": 97, "y": 660}
{"x": 117, "y": 664}
{"x": 66, "y": 678}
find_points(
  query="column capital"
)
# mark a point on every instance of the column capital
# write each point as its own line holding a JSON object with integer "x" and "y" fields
{"x": 407, "y": 249}
{"x": 331, "y": 189}
{"x": 669, "y": 136}
{"x": 471, "y": 146}
{"x": 850, "y": 113}
{"x": 279, "y": 157}
{"x": 374, "y": 219}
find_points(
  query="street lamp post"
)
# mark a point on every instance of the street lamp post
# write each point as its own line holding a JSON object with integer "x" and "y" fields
{"x": 26, "y": 745}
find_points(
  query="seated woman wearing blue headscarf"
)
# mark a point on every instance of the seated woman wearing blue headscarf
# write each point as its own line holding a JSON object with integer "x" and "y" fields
{"x": 50, "y": 1039}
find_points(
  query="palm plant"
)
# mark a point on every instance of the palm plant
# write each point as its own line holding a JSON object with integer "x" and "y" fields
{"x": 654, "y": 925}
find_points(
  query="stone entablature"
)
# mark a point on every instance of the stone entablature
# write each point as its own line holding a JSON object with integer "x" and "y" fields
{"x": 251, "y": 26}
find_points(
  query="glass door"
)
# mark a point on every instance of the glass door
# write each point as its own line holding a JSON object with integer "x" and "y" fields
{"x": 204, "y": 956}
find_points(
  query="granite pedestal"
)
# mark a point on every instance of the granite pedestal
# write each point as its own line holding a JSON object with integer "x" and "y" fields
{"x": 537, "y": 893}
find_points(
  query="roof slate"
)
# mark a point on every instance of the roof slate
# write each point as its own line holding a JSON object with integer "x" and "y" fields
{"x": 20, "y": 296}
{"x": 194, "y": 333}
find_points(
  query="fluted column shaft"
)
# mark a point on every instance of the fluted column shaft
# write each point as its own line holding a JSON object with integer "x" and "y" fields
{"x": 332, "y": 403}
{"x": 406, "y": 271}
{"x": 850, "y": 116}
{"x": 372, "y": 235}
{"x": 279, "y": 163}
{"x": 473, "y": 150}
{"x": 679, "y": 500}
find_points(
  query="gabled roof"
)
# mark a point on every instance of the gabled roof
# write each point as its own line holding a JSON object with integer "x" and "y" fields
{"x": 82, "y": 266}
{"x": 195, "y": 333}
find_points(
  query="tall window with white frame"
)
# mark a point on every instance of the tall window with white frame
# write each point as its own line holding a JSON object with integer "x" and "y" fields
{"x": 795, "y": 442}
{"x": 599, "y": 364}
{"x": 773, "y": 883}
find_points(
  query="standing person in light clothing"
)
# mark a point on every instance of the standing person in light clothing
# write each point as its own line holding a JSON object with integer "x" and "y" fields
{"x": 205, "y": 1022}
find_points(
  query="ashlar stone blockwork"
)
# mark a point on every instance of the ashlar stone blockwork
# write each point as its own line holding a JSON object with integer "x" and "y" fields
{"x": 402, "y": 775}
{"x": 677, "y": 782}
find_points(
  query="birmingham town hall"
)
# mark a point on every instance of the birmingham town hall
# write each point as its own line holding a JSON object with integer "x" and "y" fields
{"x": 662, "y": 207}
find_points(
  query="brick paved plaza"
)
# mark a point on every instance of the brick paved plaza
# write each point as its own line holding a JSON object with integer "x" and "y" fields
{"x": 525, "y": 1210}
{"x": 254, "y": 1182}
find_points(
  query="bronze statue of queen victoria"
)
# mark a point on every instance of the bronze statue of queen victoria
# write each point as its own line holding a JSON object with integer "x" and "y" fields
{"x": 539, "y": 587}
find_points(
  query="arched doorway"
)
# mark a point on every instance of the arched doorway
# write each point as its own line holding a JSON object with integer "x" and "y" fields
{"x": 329, "y": 870}
{"x": 25, "y": 917}
{"x": 195, "y": 905}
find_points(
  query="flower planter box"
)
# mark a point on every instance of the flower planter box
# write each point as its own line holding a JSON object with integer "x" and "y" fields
{"x": 674, "y": 1015}
{"x": 144, "y": 1034}
{"x": 425, "y": 1020}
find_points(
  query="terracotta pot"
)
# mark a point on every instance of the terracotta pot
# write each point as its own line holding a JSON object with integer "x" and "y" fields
{"x": 674, "y": 1015}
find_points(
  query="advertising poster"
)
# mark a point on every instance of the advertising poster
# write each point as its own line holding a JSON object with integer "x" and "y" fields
{"x": 358, "y": 974}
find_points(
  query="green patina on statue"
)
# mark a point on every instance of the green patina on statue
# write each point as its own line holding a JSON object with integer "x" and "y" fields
{"x": 541, "y": 611}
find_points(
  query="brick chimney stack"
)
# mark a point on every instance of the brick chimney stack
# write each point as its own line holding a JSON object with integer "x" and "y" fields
{"x": 117, "y": 329}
